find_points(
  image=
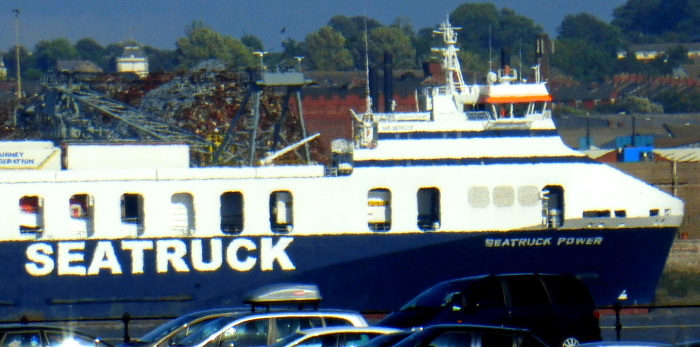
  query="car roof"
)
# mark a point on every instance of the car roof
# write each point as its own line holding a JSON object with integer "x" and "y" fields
{"x": 347, "y": 329}
{"x": 19, "y": 326}
{"x": 473, "y": 327}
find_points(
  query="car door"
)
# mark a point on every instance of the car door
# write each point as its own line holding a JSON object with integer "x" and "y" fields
{"x": 530, "y": 306}
{"x": 484, "y": 304}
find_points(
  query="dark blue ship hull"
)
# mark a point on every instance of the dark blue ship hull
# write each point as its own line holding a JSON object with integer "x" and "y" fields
{"x": 368, "y": 272}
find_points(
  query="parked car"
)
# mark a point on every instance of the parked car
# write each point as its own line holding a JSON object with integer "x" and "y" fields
{"x": 174, "y": 331}
{"x": 557, "y": 308}
{"x": 465, "y": 335}
{"x": 282, "y": 316}
{"x": 34, "y": 335}
{"x": 333, "y": 337}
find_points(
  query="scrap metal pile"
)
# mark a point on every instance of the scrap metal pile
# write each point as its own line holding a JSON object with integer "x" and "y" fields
{"x": 196, "y": 108}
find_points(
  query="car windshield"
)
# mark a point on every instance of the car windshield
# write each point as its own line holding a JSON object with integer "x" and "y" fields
{"x": 287, "y": 340}
{"x": 437, "y": 296}
{"x": 162, "y": 331}
{"x": 206, "y": 330}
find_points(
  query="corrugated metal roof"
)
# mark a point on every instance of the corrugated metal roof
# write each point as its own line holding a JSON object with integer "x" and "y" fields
{"x": 679, "y": 154}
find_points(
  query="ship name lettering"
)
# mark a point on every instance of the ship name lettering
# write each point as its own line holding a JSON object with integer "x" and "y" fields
{"x": 11, "y": 154}
{"x": 70, "y": 258}
{"x": 519, "y": 242}
{"x": 586, "y": 241}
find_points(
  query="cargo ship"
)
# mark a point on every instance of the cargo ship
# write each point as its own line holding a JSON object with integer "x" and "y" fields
{"x": 475, "y": 181}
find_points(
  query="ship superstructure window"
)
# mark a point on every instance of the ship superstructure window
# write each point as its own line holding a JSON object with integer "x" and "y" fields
{"x": 31, "y": 214}
{"x": 132, "y": 214}
{"x": 620, "y": 213}
{"x": 81, "y": 215}
{"x": 281, "y": 211}
{"x": 654, "y": 212}
{"x": 379, "y": 209}
{"x": 553, "y": 206}
{"x": 503, "y": 196}
{"x": 182, "y": 214}
{"x": 231, "y": 212}
{"x": 528, "y": 196}
{"x": 596, "y": 214}
{"x": 479, "y": 196}
{"x": 428, "y": 209}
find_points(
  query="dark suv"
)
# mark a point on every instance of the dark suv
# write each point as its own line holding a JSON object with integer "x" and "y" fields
{"x": 557, "y": 308}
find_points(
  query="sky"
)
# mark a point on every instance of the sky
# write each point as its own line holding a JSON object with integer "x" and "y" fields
{"x": 159, "y": 23}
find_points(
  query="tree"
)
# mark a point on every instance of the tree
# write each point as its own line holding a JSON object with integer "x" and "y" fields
{"x": 587, "y": 28}
{"x": 253, "y": 42}
{"x": 485, "y": 29}
{"x": 47, "y": 53}
{"x": 394, "y": 41}
{"x": 325, "y": 51}
{"x": 353, "y": 30}
{"x": 202, "y": 43}
{"x": 26, "y": 61}
{"x": 89, "y": 49}
{"x": 587, "y": 48}
{"x": 161, "y": 60}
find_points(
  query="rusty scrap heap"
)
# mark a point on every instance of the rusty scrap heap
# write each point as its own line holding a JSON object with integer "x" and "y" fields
{"x": 209, "y": 108}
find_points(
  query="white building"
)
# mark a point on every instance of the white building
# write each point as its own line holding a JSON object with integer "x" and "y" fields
{"x": 133, "y": 60}
{"x": 3, "y": 71}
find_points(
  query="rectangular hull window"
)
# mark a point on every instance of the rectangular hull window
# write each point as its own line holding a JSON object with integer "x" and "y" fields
{"x": 379, "y": 209}
{"x": 428, "y": 209}
{"x": 132, "y": 214}
{"x": 232, "y": 213}
{"x": 31, "y": 215}
{"x": 82, "y": 223}
{"x": 182, "y": 214}
{"x": 281, "y": 212}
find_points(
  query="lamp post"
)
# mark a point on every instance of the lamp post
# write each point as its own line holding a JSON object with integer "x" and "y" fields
{"x": 19, "y": 77}
{"x": 261, "y": 55}
{"x": 299, "y": 62}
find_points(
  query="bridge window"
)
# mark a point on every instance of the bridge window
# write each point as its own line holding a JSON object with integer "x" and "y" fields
{"x": 528, "y": 195}
{"x": 281, "y": 211}
{"x": 478, "y": 196}
{"x": 82, "y": 223}
{"x": 31, "y": 215}
{"x": 503, "y": 196}
{"x": 182, "y": 214}
{"x": 132, "y": 214}
{"x": 379, "y": 213}
{"x": 428, "y": 209}
{"x": 231, "y": 213}
{"x": 596, "y": 214}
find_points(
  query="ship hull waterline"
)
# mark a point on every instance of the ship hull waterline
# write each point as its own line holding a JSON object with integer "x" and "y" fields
{"x": 369, "y": 272}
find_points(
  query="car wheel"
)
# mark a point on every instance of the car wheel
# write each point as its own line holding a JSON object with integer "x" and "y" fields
{"x": 569, "y": 341}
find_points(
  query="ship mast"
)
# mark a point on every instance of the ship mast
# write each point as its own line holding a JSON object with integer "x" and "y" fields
{"x": 454, "y": 78}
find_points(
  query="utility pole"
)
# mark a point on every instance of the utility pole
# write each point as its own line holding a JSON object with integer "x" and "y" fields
{"x": 19, "y": 77}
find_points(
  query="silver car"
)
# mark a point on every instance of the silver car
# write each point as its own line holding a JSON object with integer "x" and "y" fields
{"x": 255, "y": 329}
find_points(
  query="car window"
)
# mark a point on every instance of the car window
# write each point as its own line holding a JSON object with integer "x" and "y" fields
{"x": 184, "y": 332}
{"x": 438, "y": 296}
{"x": 452, "y": 339}
{"x": 497, "y": 340}
{"x": 247, "y": 334}
{"x": 356, "y": 339}
{"x": 567, "y": 291}
{"x": 206, "y": 331}
{"x": 337, "y": 322}
{"x": 527, "y": 291}
{"x": 486, "y": 295}
{"x": 58, "y": 339}
{"x": 22, "y": 339}
{"x": 387, "y": 339}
